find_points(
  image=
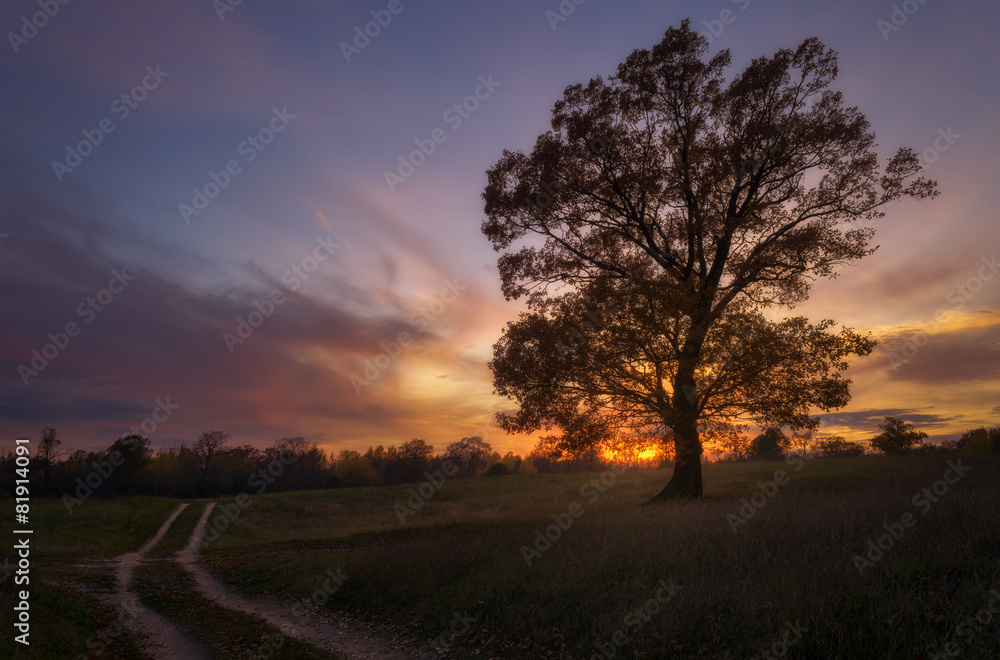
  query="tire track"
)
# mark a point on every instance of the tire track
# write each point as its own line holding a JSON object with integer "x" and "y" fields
{"x": 162, "y": 639}
{"x": 339, "y": 638}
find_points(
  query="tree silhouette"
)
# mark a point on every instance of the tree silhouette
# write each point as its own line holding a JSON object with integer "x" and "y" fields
{"x": 471, "y": 454}
{"x": 209, "y": 444}
{"x": 769, "y": 445}
{"x": 897, "y": 437}
{"x": 416, "y": 455}
{"x": 802, "y": 442}
{"x": 132, "y": 454}
{"x": 836, "y": 446}
{"x": 48, "y": 451}
{"x": 655, "y": 223}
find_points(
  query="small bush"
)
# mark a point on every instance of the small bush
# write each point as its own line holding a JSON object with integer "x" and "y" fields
{"x": 498, "y": 470}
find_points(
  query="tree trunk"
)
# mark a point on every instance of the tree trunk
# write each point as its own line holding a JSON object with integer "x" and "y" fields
{"x": 685, "y": 484}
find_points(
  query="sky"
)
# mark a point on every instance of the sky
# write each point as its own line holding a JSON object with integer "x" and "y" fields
{"x": 205, "y": 222}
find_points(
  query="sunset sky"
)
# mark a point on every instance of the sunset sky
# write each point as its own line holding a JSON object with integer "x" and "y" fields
{"x": 354, "y": 260}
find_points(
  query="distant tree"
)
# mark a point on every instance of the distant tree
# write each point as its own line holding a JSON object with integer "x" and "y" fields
{"x": 78, "y": 456}
{"x": 48, "y": 451}
{"x": 582, "y": 435}
{"x": 945, "y": 447}
{"x": 471, "y": 454}
{"x": 352, "y": 470}
{"x": 664, "y": 456}
{"x": 626, "y": 447}
{"x": 837, "y": 447}
{"x": 976, "y": 442}
{"x": 544, "y": 457}
{"x": 163, "y": 472}
{"x": 210, "y": 444}
{"x": 416, "y": 455}
{"x": 769, "y": 445}
{"x": 527, "y": 467}
{"x": 134, "y": 455}
{"x": 386, "y": 462}
{"x": 897, "y": 437}
{"x": 990, "y": 439}
{"x": 668, "y": 208}
{"x": 731, "y": 444}
{"x": 801, "y": 442}
{"x": 512, "y": 461}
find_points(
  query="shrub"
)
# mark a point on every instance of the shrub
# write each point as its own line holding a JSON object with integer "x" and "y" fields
{"x": 498, "y": 470}
{"x": 837, "y": 446}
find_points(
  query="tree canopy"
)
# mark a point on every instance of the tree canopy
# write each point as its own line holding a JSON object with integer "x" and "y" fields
{"x": 897, "y": 437}
{"x": 653, "y": 226}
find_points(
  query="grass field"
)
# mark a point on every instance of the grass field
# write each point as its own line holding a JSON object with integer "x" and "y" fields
{"x": 692, "y": 580}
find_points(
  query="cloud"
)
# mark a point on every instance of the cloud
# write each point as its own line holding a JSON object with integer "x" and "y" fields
{"x": 165, "y": 337}
{"x": 42, "y": 407}
{"x": 870, "y": 419}
{"x": 946, "y": 357}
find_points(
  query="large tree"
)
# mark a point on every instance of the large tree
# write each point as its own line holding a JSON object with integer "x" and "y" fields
{"x": 653, "y": 226}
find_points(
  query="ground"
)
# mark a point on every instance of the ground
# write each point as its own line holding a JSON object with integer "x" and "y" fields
{"x": 838, "y": 558}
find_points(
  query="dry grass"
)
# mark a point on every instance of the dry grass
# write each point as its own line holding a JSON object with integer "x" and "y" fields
{"x": 791, "y": 564}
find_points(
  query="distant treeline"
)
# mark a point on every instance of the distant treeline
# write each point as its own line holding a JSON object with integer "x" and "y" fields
{"x": 896, "y": 438}
{"x": 211, "y": 466}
